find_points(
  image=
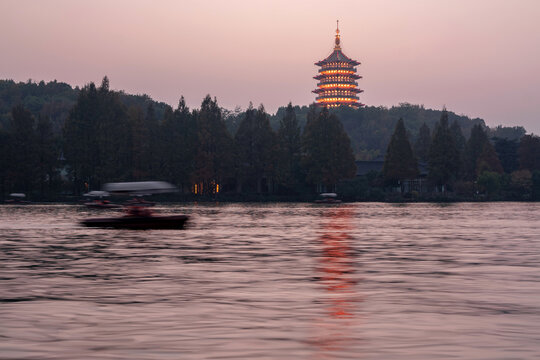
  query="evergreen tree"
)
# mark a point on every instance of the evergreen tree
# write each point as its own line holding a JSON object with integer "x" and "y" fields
{"x": 4, "y": 160}
{"x": 139, "y": 142}
{"x": 399, "y": 162}
{"x": 474, "y": 147}
{"x": 328, "y": 156}
{"x": 181, "y": 140}
{"x": 80, "y": 132}
{"x": 97, "y": 138}
{"x": 104, "y": 88}
{"x": 536, "y": 185}
{"x": 488, "y": 160}
{"x": 443, "y": 155}
{"x": 480, "y": 155}
{"x": 459, "y": 139}
{"x": 529, "y": 153}
{"x": 151, "y": 142}
{"x": 255, "y": 148}
{"x": 164, "y": 145}
{"x": 422, "y": 144}
{"x": 243, "y": 145}
{"x": 507, "y": 151}
{"x": 214, "y": 145}
{"x": 114, "y": 138}
{"x": 47, "y": 153}
{"x": 22, "y": 153}
{"x": 290, "y": 147}
{"x": 460, "y": 142}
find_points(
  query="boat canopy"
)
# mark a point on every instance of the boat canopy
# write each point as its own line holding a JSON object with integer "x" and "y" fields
{"x": 140, "y": 187}
{"x": 18, "y": 195}
{"x": 97, "y": 193}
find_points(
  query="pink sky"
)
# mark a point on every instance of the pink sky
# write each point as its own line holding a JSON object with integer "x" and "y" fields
{"x": 480, "y": 58}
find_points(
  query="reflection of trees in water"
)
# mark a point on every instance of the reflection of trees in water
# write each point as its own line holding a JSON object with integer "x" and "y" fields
{"x": 336, "y": 274}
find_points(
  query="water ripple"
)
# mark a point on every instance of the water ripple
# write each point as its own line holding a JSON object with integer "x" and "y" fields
{"x": 267, "y": 281}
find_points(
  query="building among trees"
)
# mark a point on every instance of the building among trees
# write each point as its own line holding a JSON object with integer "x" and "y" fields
{"x": 337, "y": 75}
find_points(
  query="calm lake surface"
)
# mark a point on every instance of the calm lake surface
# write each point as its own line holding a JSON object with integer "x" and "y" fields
{"x": 274, "y": 281}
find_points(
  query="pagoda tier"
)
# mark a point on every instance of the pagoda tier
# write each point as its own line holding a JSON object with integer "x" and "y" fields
{"x": 337, "y": 91}
{"x": 337, "y": 75}
{"x": 329, "y": 75}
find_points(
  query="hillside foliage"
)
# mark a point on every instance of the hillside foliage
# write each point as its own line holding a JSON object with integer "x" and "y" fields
{"x": 58, "y": 139}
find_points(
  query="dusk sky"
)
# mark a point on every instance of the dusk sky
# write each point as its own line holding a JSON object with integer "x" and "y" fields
{"x": 480, "y": 58}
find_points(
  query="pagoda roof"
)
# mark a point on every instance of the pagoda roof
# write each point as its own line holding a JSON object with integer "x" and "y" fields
{"x": 337, "y": 56}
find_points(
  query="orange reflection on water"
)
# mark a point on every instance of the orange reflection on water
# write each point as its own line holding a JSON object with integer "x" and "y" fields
{"x": 336, "y": 274}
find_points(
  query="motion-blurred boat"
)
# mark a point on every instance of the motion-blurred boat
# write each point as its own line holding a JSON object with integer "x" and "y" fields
{"x": 139, "y": 201}
{"x": 140, "y": 188}
{"x": 328, "y": 198}
{"x": 138, "y": 217}
{"x": 138, "y": 222}
{"x": 17, "y": 198}
{"x": 100, "y": 203}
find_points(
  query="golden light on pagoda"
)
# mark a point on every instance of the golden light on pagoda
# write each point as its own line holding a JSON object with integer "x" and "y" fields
{"x": 337, "y": 75}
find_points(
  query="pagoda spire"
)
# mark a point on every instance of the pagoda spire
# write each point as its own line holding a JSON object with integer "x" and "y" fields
{"x": 337, "y": 47}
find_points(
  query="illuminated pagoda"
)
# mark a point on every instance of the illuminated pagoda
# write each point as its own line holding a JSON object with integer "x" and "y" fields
{"x": 337, "y": 75}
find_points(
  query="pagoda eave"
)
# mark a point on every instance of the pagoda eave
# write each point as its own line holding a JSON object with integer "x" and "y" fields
{"x": 348, "y": 62}
{"x": 337, "y": 98}
{"x": 355, "y": 105}
{"x": 336, "y": 83}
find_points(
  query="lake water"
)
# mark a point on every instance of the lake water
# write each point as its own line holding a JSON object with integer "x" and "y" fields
{"x": 274, "y": 281}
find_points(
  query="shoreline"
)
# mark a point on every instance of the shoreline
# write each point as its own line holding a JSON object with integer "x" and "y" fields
{"x": 261, "y": 201}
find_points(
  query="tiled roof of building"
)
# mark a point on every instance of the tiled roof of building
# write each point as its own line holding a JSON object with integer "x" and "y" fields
{"x": 337, "y": 56}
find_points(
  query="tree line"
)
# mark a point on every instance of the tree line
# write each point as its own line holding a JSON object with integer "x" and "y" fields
{"x": 102, "y": 135}
{"x": 369, "y": 127}
{"x": 103, "y": 140}
{"x": 496, "y": 168}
